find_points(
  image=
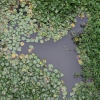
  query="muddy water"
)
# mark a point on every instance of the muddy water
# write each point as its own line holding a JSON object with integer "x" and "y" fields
{"x": 56, "y": 54}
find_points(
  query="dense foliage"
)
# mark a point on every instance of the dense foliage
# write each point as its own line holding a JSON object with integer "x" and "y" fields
{"x": 58, "y": 11}
{"x": 26, "y": 77}
{"x": 8, "y": 2}
{"x": 58, "y": 16}
{"x": 84, "y": 91}
{"x": 89, "y": 49}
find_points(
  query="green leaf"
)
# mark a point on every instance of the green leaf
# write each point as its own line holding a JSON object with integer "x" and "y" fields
{"x": 56, "y": 70}
{"x": 36, "y": 40}
{"x": 23, "y": 38}
{"x": 31, "y": 46}
{"x": 61, "y": 74}
{"x": 28, "y": 40}
{"x": 19, "y": 49}
{"x": 50, "y": 67}
{"x": 32, "y": 40}
{"x": 34, "y": 20}
{"x": 41, "y": 41}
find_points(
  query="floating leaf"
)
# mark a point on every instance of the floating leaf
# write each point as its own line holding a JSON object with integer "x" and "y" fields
{"x": 80, "y": 62}
{"x": 81, "y": 15}
{"x": 22, "y": 43}
{"x": 72, "y": 24}
{"x": 32, "y": 40}
{"x": 10, "y": 47}
{"x": 28, "y": 40}
{"x": 56, "y": 70}
{"x": 21, "y": 56}
{"x": 31, "y": 46}
{"x": 55, "y": 95}
{"x": 50, "y": 67}
{"x": 36, "y": 40}
{"x": 30, "y": 50}
{"x": 40, "y": 63}
{"x": 61, "y": 74}
{"x": 76, "y": 39}
{"x": 23, "y": 38}
{"x": 19, "y": 49}
{"x": 34, "y": 20}
{"x": 44, "y": 60}
{"x": 41, "y": 41}
{"x": 63, "y": 88}
{"x": 13, "y": 55}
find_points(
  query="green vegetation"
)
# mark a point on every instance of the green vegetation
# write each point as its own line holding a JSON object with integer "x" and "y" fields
{"x": 89, "y": 51}
{"x": 26, "y": 77}
{"x": 88, "y": 47}
{"x": 84, "y": 91}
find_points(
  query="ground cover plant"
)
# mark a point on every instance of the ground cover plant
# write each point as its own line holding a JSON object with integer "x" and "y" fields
{"x": 88, "y": 48}
{"x": 25, "y": 76}
{"x": 84, "y": 91}
{"x": 28, "y": 78}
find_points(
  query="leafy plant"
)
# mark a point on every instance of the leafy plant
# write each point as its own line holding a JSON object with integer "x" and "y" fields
{"x": 88, "y": 45}
{"x": 27, "y": 78}
{"x": 88, "y": 48}
{"x": 84, "y": 91}
{"x": 8, "y": 3}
